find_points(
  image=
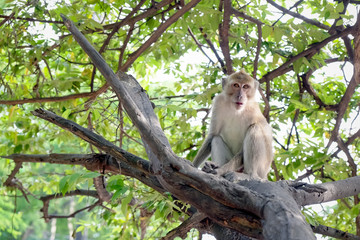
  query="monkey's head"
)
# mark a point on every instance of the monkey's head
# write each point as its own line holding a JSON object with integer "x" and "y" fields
{"x": 239, "y": 88}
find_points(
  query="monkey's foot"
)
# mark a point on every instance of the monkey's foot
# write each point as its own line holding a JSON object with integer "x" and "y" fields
{"x": 210, "y": 167}
{"x": 240, "y": 170}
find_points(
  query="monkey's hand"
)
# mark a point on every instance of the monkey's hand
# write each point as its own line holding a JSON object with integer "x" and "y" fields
{"x": 210, "y": 167}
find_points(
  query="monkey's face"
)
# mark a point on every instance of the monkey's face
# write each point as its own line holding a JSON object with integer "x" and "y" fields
{"x": 239, "y": 93}
{"x": 239, "y": 87}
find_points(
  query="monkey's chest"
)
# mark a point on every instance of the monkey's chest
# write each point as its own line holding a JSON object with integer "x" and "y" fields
{"x": 233, "y": 133}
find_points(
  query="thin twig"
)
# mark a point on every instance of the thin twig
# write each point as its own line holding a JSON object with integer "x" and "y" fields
{"x": 199, "y": 45}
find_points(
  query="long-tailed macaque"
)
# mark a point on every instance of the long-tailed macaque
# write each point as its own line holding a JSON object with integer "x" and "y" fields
{"x": 240, "y": 139}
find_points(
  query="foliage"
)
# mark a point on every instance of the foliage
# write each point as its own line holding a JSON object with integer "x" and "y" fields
{"x": 39, "y": 60}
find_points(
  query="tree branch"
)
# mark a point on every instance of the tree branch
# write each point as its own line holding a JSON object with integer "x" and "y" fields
{"x": 296, "y": 15}
{"x": 186, "y": 182}
{"x": 307, "y": 53}
{"x": 12, "y": 182}
{"x": 49, "y": 99}
{"x": 224, "y": 29}
{"x": 258, "y": 45}
{"x": 213, "y": 49}
{"x": 157, "y": 33}
{"x": 330, "y": 191}
{"x": 335, "y": 233}
{"x": 199, "y": 45}
{"x": 11, "y": 16}
{"x": 46, "y": 202}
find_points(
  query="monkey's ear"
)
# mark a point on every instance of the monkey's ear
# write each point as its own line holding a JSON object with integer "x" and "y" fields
{"x": 256, "y": 84}
{"x": 223, "y": 82}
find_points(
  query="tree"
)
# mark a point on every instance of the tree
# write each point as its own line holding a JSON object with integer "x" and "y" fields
{"x": 64, "y": 79}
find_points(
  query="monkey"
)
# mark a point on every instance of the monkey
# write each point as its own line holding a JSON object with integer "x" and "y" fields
{"x": 240, "y": 138}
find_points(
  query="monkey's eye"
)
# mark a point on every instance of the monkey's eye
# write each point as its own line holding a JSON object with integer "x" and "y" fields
{"x": 246, "y": 86}
{"x": 236, "y": 85}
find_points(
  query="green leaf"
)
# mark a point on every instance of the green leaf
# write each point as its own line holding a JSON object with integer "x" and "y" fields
{"x": 66, "y": 113}
{"x": 73, "y": 179}
{"x": 327, "y": 14}
{"x": 90, "y": 175}
{"x": 80, "y": 228}
{"x": 266, "y": 31}
{"x": 119, "y": 192}
{"x": 18, "y": 148}
{"x": 278, "y": 34}
{"x": 297, "y": 65}
{"x": 64, "y": 185}
{"x": 300, "y": 105}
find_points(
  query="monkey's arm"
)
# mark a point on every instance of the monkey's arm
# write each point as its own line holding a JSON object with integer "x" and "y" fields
{"x": 204, "y": 151}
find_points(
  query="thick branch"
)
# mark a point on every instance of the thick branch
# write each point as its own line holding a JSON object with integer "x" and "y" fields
{"x": 330, "y": 191}
{"x": 134, "y": 165}
{"x": 147, "y": 132}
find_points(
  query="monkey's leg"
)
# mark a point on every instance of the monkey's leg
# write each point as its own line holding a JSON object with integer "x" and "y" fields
{"x": 220, "y": 152}
{"x": 234, "y": 165}
{"x": 257, "y": 152}
{"x": 203, "y": 152}
{"x": 220, "y": 155}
